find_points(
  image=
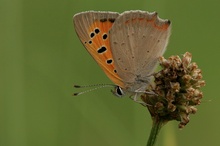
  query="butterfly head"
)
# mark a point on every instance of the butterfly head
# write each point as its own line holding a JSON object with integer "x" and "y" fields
{"x": 118, "y": 91}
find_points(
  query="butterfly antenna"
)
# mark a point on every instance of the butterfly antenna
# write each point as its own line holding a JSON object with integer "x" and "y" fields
{"x": 97, "y": 86}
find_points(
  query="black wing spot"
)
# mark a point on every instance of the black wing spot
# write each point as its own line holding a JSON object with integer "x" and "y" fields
{"x": 104, "y": 36}
{"x": 169, "y": 22}
{"x": 112, "y": 20}
{"x": 97, "y": 30}
{"x": 115, "y": 70}
{"x": 103, "y": 20}
{"x": 90, "y": 42}
{"x": 109, "y": 61}
{"x": 92, "y": 34}
{"x": 102, "y": 49}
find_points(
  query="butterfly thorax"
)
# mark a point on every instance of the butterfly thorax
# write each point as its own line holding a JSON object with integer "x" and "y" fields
{"x": 135, "y": 88}
{"x": 138, "y": 85}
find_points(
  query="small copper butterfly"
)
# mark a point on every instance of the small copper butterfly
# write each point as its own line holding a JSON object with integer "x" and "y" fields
{"x": 126, "y": 46}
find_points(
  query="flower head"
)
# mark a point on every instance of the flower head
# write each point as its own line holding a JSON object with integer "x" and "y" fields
{"x": 177, "y": 87}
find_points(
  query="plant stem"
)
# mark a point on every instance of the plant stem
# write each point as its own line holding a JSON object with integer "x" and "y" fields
{"x": 157, "y": 124}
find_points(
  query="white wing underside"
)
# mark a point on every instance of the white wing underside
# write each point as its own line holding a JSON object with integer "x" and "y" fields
{"x": 137, "y": 40}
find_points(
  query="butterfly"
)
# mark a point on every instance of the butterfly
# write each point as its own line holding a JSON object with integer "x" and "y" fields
{"x": 126, "y": 46}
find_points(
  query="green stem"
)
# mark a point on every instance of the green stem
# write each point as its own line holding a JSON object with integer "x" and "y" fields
{"x": 157, "y": 125}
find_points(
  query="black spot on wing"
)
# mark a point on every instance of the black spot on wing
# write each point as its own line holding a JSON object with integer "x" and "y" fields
{"x": 92, "y": 34}
{"x": 103, "y": 20}
{"x": 112, "y": 20}
{"x": 104, "y": 36}
{"x": 97, "y": 30}
{"x": 109, "y": 61}
{"x": 101, "y": 50}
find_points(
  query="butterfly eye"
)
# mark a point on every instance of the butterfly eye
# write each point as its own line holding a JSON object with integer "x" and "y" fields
{"x": 118, "y": 91}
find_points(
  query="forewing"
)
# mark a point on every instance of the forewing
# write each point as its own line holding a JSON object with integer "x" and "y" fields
{"x": 137, "y": 39}
{"x": 93, "y": 30}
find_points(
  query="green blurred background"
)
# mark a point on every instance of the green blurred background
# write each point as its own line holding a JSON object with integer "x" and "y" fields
{"x": 41, "y": 58}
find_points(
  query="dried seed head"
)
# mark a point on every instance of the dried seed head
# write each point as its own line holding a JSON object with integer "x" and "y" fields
{"x": 177, "y": 87}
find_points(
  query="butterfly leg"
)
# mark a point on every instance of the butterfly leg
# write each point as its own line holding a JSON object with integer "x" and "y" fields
{"x": 135, "y": 99}
{"x": 146, "y": 92}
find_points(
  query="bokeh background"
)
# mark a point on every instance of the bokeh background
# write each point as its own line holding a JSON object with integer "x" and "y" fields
{"x": 41, "y": 58}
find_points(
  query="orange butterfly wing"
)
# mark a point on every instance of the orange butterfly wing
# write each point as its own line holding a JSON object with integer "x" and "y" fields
{"x": 93, "y": 30}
